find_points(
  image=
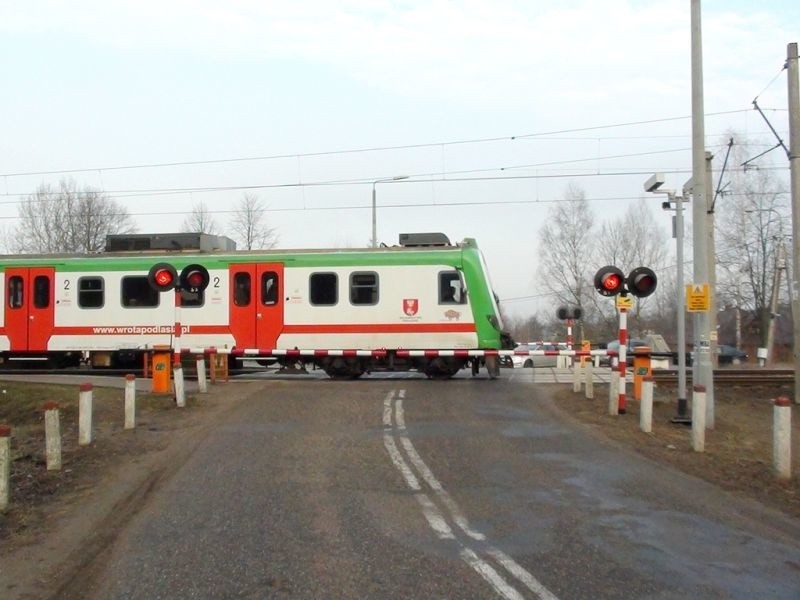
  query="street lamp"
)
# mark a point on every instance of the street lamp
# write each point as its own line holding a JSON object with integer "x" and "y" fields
{"x": 374, "y": 205}
{"x": 652, "y": 185}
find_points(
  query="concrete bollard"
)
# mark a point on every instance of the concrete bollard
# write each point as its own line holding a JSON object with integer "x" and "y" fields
{"x": 782, "y": 437}
{"x": 130, "y": 401}
{"x": 85, "y": 415}
{"x": 699, "y": 418}
{"x": 646, "y": 405}
{"x": 52, "y": 436}
{"x": 180, "y": 392}
{"x": 201, "y": 374}
{"x": 576, "y": 378}
{"x": 613, "y": 395}
{"x": 5, "y": 466}
{"x": 589, "y": 384}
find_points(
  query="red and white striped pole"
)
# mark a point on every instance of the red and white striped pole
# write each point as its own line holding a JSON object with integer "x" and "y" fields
{"x": 176, "y": 345}
{"x": 569, "y": 334}
{"x": 623, "y": 365}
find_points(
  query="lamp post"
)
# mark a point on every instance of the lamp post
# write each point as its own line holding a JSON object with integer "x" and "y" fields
{"x": 652, "y": 185}
{"x": 374, "y": 205}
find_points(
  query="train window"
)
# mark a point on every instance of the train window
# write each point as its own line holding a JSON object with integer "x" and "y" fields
{"x": 269, "y": 288}
{"x": 41, "y": 291}
{"x": 451, "y": 288}
{"x": 323, "y": 289}
{"x": 91, "y": 292}
{"x": 15, "y": 291}
{"x": 363, "y": 288}
{"x": 241, "y": 289}
{"x": 137, "y": 293}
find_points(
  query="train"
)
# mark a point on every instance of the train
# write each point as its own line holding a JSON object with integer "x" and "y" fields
{"x": 388, "y": 303}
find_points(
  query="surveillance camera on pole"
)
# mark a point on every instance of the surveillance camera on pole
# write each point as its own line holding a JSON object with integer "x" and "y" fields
{"x": 655, "y": 182}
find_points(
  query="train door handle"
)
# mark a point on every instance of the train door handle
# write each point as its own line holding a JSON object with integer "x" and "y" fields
{"x": 258, "y": 315}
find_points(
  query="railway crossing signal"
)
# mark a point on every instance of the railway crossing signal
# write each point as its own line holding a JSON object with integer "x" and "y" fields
{"x": 194, "y": 278}
{"x": 569, "y": 312}
{"x": 162, "y": 277}
{"x": 610, "y": 281}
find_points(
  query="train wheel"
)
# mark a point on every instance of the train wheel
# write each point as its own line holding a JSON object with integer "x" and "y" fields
{"x": 442, "y": 367}
{"x": 343, "y": 368}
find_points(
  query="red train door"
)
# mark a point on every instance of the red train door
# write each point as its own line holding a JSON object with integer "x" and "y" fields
{"x": 29, "y": 310}
{"x": 256, "y": 304}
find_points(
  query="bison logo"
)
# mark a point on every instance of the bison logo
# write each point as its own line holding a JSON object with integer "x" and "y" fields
{"x": 452, "y": 315}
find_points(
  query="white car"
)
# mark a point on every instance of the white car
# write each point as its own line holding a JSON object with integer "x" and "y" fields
{"x": 528, "y": 362}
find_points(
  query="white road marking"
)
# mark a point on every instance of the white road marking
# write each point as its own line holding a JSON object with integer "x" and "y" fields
{"x": 437, "y": 520}
{"x": 486, "y": 571}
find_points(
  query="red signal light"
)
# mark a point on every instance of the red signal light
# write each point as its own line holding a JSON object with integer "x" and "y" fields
{"x": 162, "y": 277}
{"x": 609, "y": 281}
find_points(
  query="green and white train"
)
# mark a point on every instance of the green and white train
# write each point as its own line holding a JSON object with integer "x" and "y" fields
{"x": 424, "y": 304}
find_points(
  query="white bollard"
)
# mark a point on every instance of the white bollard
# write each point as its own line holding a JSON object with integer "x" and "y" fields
{"x": 589, "y": 370}
{"x": 180, "y": 393}
{"x": 646, "y": 406}
{"x": 613, "y": 394}
{"x": 201, "y": 374}
{"x": 5, "y": 466}
{"x": 52, "y": 436}
{"x": 699, "y": 418}
{"x": 576, "y": 377}
{"x": 130, "y": 401}
{"x": 85, "y": 415}
{"x": 782, "y": 437}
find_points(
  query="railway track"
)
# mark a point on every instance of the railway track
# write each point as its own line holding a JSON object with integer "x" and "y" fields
{"x": 734, "y": 376}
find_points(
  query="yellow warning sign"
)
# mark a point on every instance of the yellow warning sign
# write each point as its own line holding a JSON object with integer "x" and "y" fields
{"x": 625, "y": 302}
{"x": 697, "y": 297}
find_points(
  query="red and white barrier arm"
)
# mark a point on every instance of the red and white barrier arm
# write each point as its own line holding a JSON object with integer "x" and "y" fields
{"x": 382, "y": 352}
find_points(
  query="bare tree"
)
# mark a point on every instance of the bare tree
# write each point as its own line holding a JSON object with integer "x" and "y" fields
{"x": 200, "y": 220}
{"x": 565, "y": 242}
{"x": 752, "y": 222}
{"x": 68, "y": 220}
{"x": 249, "y": 224}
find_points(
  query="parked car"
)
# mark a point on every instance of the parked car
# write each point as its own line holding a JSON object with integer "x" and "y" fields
{"x": 613, "y": 346}
{"x": 528, "y": 362}
{"x": 727, "y": 354}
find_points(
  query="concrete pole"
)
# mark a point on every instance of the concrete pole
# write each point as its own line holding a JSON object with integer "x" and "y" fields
{"x": 681, "y": 417}
{"x": 782, "y": 437}
{"x": 712, "y": 277}
{"x": 130, "y": 401}
{"x": 794, "y": 168}
{"x": 576, "y": 376}
{"x": 52, "y": 436}
{"x": 698, "y": 419}
{"x": 85, "y": 415}
{"x": 646, "y": 407}
{"x": 180, "y": 392}
{"x": 613, "y": 394}
{"x": 201, "y": 374}
{"x": 374, "y": 240}
{"x": 589, "y": 371}
{"x": 773, "y": 304}
{"x": 5, "y": 466}
{"x": 702, "y": 372}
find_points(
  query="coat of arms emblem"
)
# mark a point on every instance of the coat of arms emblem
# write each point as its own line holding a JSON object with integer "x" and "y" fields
{"x": 410, "y": 306}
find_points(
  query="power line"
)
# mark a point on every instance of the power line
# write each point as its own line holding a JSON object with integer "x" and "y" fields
{"x": 360, "y": 150}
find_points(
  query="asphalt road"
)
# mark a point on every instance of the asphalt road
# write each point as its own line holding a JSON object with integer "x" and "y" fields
{"x": 408, "y": 488}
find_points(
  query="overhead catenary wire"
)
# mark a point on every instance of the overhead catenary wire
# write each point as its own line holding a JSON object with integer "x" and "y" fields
{"x": 525, "y": 136}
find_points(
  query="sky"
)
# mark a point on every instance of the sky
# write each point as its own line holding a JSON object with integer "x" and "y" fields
{"x": 490, "y": 108}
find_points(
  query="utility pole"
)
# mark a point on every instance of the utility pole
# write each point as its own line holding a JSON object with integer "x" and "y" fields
{"x": 702, "y": 373}
{"x": 780, "y": 263}
{"x": 712, "y": 267}
{"x": 794, "y": 167}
